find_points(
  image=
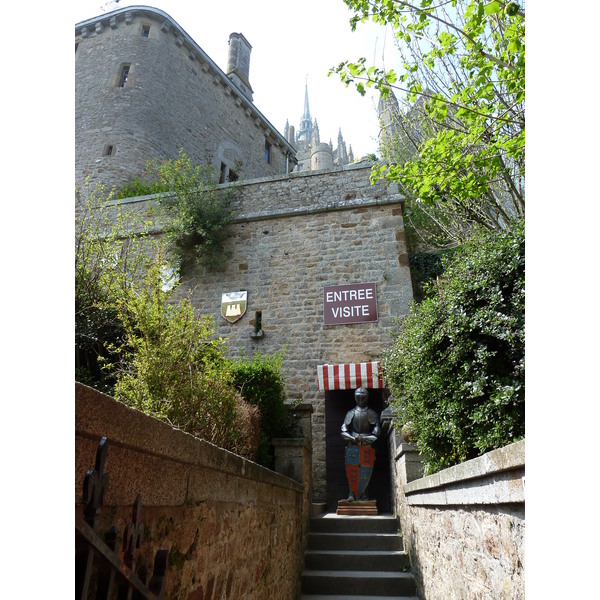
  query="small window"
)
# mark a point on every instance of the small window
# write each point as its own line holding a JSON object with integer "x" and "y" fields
{"x": 223, "y": 173}
{"x": 267, "y": 152}
{"x": 109, "y": 150}
{"x": 124, "y": 76}
{"x": 233, "y": 176}
{"x": 76, "y": 46}
{"x": 145, "y": 31}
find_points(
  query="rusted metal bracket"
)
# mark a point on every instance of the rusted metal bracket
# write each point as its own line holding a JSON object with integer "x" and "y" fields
{"x": 99, "y": 571}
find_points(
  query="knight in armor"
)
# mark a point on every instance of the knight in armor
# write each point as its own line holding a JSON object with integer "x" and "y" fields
{"x": 361, "y": 426}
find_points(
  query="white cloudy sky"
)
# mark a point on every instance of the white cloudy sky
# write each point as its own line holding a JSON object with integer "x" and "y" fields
{"x": 290, "y": 42}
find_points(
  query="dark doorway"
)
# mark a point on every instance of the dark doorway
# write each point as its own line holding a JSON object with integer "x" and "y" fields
{"x": 337, "y": 404}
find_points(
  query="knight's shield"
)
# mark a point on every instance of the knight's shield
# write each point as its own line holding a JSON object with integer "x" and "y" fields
{"x": 233, "y": 305}
{"x": 359, "y": 468}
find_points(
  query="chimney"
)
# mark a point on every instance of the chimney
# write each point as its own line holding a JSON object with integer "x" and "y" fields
{"x": 238, "y": 63}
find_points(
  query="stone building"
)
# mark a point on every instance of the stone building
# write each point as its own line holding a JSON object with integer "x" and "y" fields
{"x": 311, "y": 153}
{"x": 144, "y": 89}
{"x": 320, "y": 254}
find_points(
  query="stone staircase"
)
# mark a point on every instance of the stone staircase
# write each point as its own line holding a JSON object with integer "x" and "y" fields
{"x": 358, "y": 558}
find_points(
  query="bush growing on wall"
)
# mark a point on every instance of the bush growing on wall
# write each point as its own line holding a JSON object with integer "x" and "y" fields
{"x": 457, "y": 366}
{"x": 261, "y": 382}
{"x": 199, "y": 214}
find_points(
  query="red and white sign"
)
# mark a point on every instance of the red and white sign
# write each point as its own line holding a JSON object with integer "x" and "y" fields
{"x": 352, "y": 303}
{"x": 349, "y": 376}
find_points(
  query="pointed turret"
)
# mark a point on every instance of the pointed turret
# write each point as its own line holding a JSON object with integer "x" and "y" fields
{"x": 305, "y": 131}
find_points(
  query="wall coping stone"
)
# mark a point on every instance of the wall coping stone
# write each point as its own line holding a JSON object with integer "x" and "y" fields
{"x": 132, "y": 428}
{"x": 496, "y": 477}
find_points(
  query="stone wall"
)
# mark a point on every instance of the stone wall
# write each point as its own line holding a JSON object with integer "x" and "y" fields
{"x": 464, "y": 527}
{"x": 293, "y": 235}
{"x": 234, "y": 529}
{"x": 175, "y": 97}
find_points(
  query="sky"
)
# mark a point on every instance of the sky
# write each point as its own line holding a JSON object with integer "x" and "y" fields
{"x": 293, "y": 44}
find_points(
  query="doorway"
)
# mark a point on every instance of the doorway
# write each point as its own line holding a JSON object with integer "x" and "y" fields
{"x": 337, "y": 404}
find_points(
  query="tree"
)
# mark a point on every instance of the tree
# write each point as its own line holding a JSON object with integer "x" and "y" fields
{"x": 456, "y": 369}
{"x": 465, "y": 61}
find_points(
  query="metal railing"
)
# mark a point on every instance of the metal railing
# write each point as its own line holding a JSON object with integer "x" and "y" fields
{"x": 99, "y": 571}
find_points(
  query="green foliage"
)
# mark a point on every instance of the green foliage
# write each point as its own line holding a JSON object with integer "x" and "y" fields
{"x": 425, "y": 267}
{"x": 261, "y": 383}
{"x": 464, "y": 81}
{"x": 200, "y": 213}
{"x": 140, "y": 187}
{"x": 457, "y": 366}
{"x": 105, "y": 259}
{"x": 135, "y": 342}
{"x": 174, "y": 370}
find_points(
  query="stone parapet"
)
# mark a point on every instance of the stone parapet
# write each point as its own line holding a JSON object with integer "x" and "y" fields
{"x": 464, "y": 527}
{"x": 494, "y": 478}
{"x": 233, "y": 528}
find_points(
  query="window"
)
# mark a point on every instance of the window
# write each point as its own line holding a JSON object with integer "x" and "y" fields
{"x": 109, "y": 150}
{"x": 124, "y": 76}
{"x": 223, "y": 173}
{"x": 267, "y": 152}
{"x": 145, "y": 31}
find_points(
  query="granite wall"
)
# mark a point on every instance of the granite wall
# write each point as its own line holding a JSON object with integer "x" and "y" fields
{"x": 464, "y": 527}
{"x": 292, "y": 236}
{"x": 233, "y": 528}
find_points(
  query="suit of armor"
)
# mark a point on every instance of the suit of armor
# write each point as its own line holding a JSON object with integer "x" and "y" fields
{"x": 361, "y": 427}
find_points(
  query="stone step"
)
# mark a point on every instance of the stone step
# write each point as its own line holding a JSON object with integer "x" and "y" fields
{"x": 349, "y": 560}
{"x": 354, "y": 583}
{"x": 357, "y": 542}
{"x": 332, "y": 523}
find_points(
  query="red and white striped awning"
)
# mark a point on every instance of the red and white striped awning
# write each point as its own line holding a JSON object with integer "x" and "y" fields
{"x": 349, "y": 376}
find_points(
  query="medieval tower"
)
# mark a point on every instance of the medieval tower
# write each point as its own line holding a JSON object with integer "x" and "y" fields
{"x": 311, "y": 153}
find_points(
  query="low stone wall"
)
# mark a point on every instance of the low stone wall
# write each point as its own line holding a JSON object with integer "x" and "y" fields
{"x": 234, "y": 529}
{"x": 464, "y": 527}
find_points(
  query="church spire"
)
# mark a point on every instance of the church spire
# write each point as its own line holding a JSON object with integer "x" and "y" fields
{"x": 306, "y": 115}
{"x": 305, "y": 130}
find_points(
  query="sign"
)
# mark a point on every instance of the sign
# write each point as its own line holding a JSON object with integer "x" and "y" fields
{"x": 233, "y": 305}
{"x": 352, "y": 303}
{"x": 359, "y": 468}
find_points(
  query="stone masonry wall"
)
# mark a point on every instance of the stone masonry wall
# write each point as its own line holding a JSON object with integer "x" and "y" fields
{"x": 175, "y": 97}
{"x": 464, "y": 527}
{"x": 233, "y": 529}
{"x": 292, "y": 236}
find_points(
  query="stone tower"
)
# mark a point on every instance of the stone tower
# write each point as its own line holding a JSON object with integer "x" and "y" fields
{"x": 312, "y": 154}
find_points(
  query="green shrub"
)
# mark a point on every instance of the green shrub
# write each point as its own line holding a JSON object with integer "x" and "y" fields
{"x": 457, "y": 365}
{"x": 174, "y": 370}
{"x": 140, "y": 187}
{"x": 261, "y": 382}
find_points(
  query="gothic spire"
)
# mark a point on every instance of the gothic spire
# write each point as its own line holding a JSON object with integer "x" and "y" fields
{"x": 306, "y": 125}
{"x": 306, "y": 116}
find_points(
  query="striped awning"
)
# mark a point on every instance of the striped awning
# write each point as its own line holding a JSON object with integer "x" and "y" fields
{"x": 349, "y": 376}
